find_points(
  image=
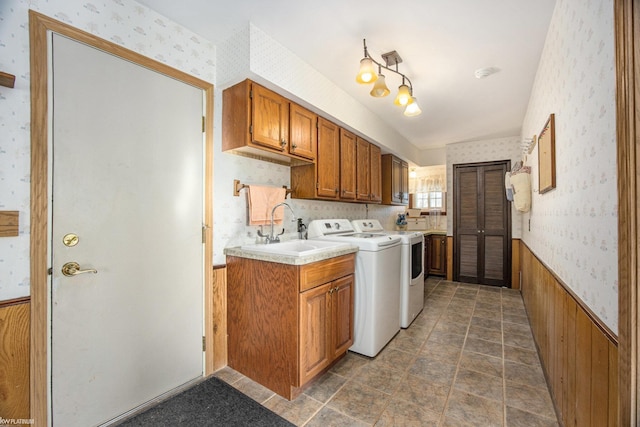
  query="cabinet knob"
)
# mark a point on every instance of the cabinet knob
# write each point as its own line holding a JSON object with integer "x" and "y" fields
{"x": 294, "y": 146}
{"x": 283, "y": 143}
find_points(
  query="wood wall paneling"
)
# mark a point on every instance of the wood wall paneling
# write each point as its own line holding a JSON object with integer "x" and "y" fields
{"x": 579, "y": 356}
{"x": 614, "y": 415}
{"x": 599, "y": 378}
{"x": 583, "y": 369}
{"x": 568, "y": 404}
{"x": 515, "y": 263}
{"x": 219, "y": 319}
{"x": 14, "y": 359}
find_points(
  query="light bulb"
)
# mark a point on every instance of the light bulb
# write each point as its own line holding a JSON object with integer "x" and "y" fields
{"x": 412, "y": 109}
{"x": 404, "y": 96}
{"x": 380, "y": 88}
{"x": 367, "y": 73}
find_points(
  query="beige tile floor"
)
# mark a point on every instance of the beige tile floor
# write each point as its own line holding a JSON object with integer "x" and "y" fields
{"x": 467, "y": 360}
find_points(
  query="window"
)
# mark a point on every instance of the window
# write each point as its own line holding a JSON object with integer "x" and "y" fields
{"x": 430, "y": 200}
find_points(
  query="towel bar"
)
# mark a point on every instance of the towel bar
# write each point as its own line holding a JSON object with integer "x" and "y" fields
{"x": 237, "y": 186}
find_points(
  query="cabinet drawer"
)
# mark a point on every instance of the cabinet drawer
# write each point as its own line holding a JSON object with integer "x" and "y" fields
{"x": 318, "y": 273}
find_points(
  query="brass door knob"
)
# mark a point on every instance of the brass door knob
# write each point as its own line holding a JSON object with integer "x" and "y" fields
{"x": 73, "y": 269}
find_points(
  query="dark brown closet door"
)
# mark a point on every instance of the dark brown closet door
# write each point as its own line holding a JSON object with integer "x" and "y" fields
{"x": 482, "y": 224}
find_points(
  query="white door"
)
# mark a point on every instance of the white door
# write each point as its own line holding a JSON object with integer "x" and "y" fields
{"x": 127, "y": 180}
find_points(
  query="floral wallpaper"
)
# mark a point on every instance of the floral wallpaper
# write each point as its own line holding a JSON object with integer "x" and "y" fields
{"x": 483, "y": 151}
{"x": 138, "y": 28}
{"x": 124, "y": 22}
{"x": 230, "y": 212}
{"x": 574, "y": 227}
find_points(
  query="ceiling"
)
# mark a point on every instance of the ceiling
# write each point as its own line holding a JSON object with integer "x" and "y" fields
{"x": 441, "y": 43}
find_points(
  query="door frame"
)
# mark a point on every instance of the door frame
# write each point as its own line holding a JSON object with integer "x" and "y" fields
{"x": 39, "y": 26}
{"x": 456, "y": 253}
{"x": 627, "y": 45}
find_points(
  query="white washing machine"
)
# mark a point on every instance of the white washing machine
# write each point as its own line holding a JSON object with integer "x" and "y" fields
{"x": 377, "y": 282}
{"x": 412, "y": 261}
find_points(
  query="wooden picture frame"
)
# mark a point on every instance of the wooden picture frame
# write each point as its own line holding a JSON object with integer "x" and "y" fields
{"x": 547, "y": 156}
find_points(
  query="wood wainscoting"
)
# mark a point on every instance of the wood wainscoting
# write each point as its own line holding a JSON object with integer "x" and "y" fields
{"x": 579, "y": 354}
{"x": 218, "y": 320}
{"x": 14, "y": 358}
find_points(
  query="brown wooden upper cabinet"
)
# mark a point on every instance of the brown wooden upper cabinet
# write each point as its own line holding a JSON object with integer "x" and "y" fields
{"x": 328, "y": 161}
{"x": 254, "y": 117}
{"x": 363, "y": 179}
{"x": 347, "y": 168}
{"x": 322, "y": 179}
{"x": 395, "y": 180}
{"x": 375, "y": 171}
{"x": 347, "y": 165}
{"x": 302, "y": 132}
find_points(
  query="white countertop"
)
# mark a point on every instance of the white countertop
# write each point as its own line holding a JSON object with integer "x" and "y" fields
{"x": 288, "y": 259}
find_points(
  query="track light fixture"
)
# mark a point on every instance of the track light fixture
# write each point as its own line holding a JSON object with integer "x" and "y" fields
{"x": 367, "y": 74}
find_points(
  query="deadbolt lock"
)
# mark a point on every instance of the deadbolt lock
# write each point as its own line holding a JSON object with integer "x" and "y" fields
{"x": 70, "y": 239}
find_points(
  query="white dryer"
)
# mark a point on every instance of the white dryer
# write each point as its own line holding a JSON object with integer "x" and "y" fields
{"x": 377, "y": 282}
{"x": 412, "y": 261}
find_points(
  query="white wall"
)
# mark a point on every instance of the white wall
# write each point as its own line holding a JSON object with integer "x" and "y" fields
{"x": 574, "y": 226}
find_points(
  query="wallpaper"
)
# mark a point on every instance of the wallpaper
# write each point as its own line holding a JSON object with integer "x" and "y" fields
{"x": 483, "y": 151}
{"x": 124, "y": 22}
{"x": 134, "y": 26}
{"x": 574, "y": 226}
{"x": 230, "y": 213}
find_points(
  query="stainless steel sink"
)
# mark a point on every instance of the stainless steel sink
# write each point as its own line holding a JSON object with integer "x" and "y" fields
{"x": 296, "y": 248}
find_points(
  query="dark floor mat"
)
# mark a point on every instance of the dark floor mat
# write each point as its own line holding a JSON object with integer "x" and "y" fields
{"x": 209, "y": 403}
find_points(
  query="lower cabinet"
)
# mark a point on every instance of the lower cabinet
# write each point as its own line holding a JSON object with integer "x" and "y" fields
{"x": 436, "y": 254}
{"x": 288, "y": 323}
{"x": 326, "y": 326}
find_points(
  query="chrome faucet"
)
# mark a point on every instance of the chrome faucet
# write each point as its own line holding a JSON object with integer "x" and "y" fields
{"x": 272, "y": 238}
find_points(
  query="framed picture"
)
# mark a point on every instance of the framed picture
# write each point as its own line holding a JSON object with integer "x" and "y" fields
{"x": 547, "y": 157}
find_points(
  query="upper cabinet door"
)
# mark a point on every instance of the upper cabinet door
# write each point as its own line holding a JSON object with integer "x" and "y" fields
{"x": 328, "y": 163}
{"x": 396, "y": 183}
{"x": 395, "y": 180}
{"x": 404, "y": 182}
{"x": 362, "y": 170}
{"x": 270, "y": 119}
{"x": 375, "y": 170}
{"x": 303, "y": 133}
{"x": 347, "y": 165}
